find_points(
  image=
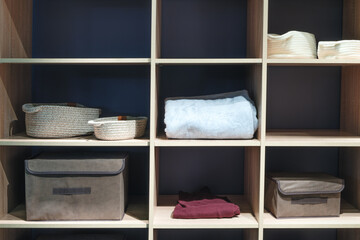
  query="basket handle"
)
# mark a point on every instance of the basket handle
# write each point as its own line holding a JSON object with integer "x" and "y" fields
{"x": 30, "y": 108}
{"x": 95, "y": 124}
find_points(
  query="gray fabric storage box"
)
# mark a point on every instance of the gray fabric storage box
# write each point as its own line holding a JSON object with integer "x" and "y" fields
{"x": 303, "y": 195}
{"x": 82, "y": 237}
{"x": 76, "y": 186}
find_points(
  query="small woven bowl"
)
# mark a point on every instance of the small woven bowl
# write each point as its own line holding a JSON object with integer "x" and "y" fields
{"x": 118, "y": 128}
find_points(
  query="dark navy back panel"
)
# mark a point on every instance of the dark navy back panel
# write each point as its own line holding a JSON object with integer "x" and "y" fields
{"x": 117, "y": 90}
{"x": 203, "y": 28}
{"x": 91, "y": 28}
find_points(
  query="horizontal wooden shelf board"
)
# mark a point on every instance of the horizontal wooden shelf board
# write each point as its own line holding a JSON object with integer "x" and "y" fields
{"x": 182, "y": 61}
{"x": 166, "y": 204}
{"x": 23, "y": 140}
{"x": 86, "y": 61}
{"x": 349, "y": 218}
{"x": 312, "y": 62}
{"x": 136, "y": 217}
{"x": 316, "y": 138}
{"x": 163, "y": 141}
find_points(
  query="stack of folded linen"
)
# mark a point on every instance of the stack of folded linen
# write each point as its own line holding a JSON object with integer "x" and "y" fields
{"x": 203, "y": 204}
{"x": 293, "y": 44}
{"x": 345, "y": 49}
{"x": 219, "y": 116}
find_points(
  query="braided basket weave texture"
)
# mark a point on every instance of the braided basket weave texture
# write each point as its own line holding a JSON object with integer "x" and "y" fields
{"x": 58, "y": 120}
{"x": 111, "y": 128}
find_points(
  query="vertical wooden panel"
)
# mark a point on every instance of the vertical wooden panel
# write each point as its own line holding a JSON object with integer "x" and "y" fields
{"x": 351, "y": 19}
{"x": 15, "y": 234}
{"x": 255, "y": 88}
{"x": 254, "y": 28}
{"x": 350, "y": 116}
{"x": 15, "y": 90}
{"x": 350, "y": 100}
{"x": 5, "y": 32}
{"x": 350, "y": 171}
{"x": 250, "y": 234}
{"x": 15, "y": 28}
{"x": 251, "y": 177}
{"x": 348, "y": 234}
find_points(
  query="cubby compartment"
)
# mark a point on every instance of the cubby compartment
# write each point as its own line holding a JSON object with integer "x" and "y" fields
{"x": 231, "y": 172}
{"x": 116, "y": 90}
{"x": 303, "y": 98}
{"x": 338, "y": 162}
{"x": 311, "y": 105}
{"x": 186, "y": 81}
{"x": 136, "y": 213}
{"x": 210, "y": 29}
{"x": 211, "y": 234}
{"x": 88, "y": 29}
{"x": 332, "y": 20}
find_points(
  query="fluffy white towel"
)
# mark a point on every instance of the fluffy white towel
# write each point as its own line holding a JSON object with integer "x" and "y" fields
{"x": 221, "y": 116}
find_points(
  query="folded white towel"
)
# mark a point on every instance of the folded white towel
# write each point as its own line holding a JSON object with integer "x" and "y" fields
{"x": 293, "y": 44}
{"x": 345, "y": 49}
{"x": 221, "y": 116}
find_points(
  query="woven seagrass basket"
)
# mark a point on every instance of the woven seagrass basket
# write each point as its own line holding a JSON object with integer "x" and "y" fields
{"x": 115, "y": 128}
{"x": 58, "y": 120}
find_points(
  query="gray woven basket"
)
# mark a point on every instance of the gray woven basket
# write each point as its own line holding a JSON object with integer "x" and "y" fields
{"x": 58, "y": 120}
{"x": 111, "y": 128}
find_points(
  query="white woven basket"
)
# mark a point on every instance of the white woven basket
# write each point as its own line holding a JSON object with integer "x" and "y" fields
{"x": 58, "y": 120}
{"x": 345, "y": 49}
{"x": 111, "y": 128}
{"x": 293, "y": 44}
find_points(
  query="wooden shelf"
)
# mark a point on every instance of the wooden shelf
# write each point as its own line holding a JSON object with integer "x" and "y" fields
{"x": 136, "y": 216}
{"x": 166, "y": 203}
{"x": 85, "y": 61}
{"x": 311, "y": 138}
{"x": 183, "y": 61}
{"x": 349, "y": 218}
{"x": 312, "y": 62}
{"x": 23, "y": 140}
{"x": 163, "y": 141}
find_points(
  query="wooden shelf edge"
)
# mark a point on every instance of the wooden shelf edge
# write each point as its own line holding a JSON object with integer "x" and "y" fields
{"x": 182, "y": 61}
{"x": 312, "y": 62}
{"x": 163, "y": 141}
{"x": 310, "y": 138}
{"x": 85, "y": 61}
{"x": 23, "y": 140}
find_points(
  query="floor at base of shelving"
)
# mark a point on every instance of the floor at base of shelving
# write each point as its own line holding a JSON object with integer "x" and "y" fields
{"x": 136, "y": 216}
{"x": 23, "y": 140}
{"x": 166, "y": 203}
{"x": 349, "y": 218}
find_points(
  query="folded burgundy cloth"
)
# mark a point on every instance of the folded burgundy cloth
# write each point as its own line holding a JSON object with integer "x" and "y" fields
{"x": 203, "y": 204}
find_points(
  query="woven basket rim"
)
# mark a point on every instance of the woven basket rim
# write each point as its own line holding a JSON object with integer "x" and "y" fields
{"x": 59, "y": 105}
{"x": 106, "y": 120}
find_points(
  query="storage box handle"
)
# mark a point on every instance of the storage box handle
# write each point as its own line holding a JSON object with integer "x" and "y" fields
{"x": 309, "y": 200}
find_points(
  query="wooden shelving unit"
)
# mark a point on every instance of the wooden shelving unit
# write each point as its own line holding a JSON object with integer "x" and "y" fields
{"x": 17, "y": 66}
